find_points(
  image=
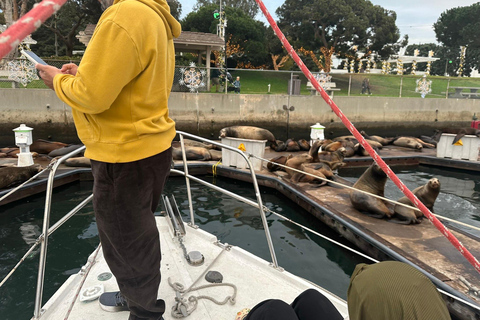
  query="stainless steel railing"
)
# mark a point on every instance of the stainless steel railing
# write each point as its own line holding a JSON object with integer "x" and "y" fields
{"x": 258, "y": 204}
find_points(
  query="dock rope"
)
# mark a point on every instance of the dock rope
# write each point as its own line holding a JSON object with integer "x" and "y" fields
{"x": 364, "y": 192}
{"x": 453, "y": 240}
{"x": 182, "y": 309}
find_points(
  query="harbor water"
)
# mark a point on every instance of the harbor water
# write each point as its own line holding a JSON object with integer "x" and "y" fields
{"x": 233, "y": 222}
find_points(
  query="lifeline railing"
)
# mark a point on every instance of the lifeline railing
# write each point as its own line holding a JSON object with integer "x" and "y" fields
{"x": 258, "y": 204}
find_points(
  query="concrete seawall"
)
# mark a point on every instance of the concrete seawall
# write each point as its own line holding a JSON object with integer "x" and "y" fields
{"x": 205, "y": 114}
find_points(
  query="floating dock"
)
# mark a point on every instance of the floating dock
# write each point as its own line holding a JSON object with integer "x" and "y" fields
{"x": 420, "y": 244}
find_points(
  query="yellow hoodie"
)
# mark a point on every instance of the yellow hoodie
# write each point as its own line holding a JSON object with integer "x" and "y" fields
{"x": 119, "y": 96}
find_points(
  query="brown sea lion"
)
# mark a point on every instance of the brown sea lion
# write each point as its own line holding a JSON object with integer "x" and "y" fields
{"x": 192, "y": 143}
{"x": 323, "y": 168}
{"x": 304, "y": 145}
{"x": 292, "y": 145}
{"x": 333, "y": 159}
{"x": 272, "y": 165}
{"x": 383, "y": 141}
{"x": 334, "y": 146}
{"x": 192, "y": 153}
{"x": 247, "y": 132}
{"x": 78, "y": 162}
{"x": 360, "y": 150}
{"x": 278, "y": 146}
{"x": 427, "y": 194}
{"x": 302, "y": 177}
{"x": 296, "y": 162}
{"x": 215, "y": 155}
{"x": 14, "y": 175}
{"x": 45, "y": 147}
{"x": 65, "y": 150}
{"x": 408, "y": 143}
{"x": 373, "y": 181}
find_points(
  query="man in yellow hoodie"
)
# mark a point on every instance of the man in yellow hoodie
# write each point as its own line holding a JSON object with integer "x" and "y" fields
{"x": 119, "y": 99}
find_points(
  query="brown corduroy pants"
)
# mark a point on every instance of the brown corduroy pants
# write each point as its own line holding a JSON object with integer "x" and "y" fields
{"x": 125, "y": 196}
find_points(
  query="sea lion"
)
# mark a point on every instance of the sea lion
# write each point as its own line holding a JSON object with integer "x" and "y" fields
{"x": 303, "y": 177}
{"x": 408, "y": 143}
{"x": 360, "y": 150}
{"x": 373, "y": 181}
{"x": 333, "y": 159}
{"x": 383, "y": 141}
{"x": 427, "y": 194}
{"x": 304, "y": 145}
{"x": 45, "y": 147}
{"x": 323, "y": 168}
{"x": 296, "y": 162}
{"x": 272, "y": 164}
{"x": 247, "y": 132}
{"x": 192, "y": 153}
{"x": 14, "y": 175}
{"x": 292, "y": 145}
{"x": 65, "y": 150}
{"x": 192, "y": 143}
{"x": 278, "y": 146}
{"x": 334, "y": 146}
{"x": 78, "y": 162}
{"x": 434, "y": 139}
{"x": 215, "y": 155}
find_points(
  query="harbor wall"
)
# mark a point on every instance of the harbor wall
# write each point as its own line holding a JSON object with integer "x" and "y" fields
{"x": 286, "y": 116}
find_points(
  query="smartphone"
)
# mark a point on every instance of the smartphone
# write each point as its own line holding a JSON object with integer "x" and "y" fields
{"x": 33, "y": 57}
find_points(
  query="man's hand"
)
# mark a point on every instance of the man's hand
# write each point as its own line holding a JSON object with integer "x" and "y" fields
{"x": 47, "y": 73}
{"x": 69, "y": 68}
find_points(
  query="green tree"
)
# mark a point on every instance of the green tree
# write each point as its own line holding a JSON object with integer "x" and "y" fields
{"x": 249, "y": 7}
{"x": 175, "y": 8}
{"x": 246, "y": 32}
{"x": 461, "y": 27}
{"x": 335, "y": 26}
{"x": 72, "y": 17}
{"x": 2, "y": 18}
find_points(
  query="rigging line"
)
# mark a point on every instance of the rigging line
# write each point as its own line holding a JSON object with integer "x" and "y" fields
{"x": 37, "y": 242}
{"x": 11, "y": 38}
{"x": 453, "y": 240}
{"x": 365, "y": 192}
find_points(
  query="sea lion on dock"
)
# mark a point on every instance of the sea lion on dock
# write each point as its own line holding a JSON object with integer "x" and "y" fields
{"x": 192, "y": 143}
{"x": 334, "y": 146}
{"x": 304, "y": 145}
{"x": 272, "y": 165}
{"x": 427, "y": 194}
{"x": 64, "y": 150}
{"x": 14, "y": 175}
{"x": 247, "y": 132}
{"x": 278, "y": 146}
{"x": 318, "y": 178}
{"x": 333, "y": 159}
{"x": 292, "y": 145}
{"x": 408, "y": 143}
{"x": 461, "y": 132}
{"x": 296, "y": 162}
{"x": 383, "y": 141}
{"x": 192, "y": 153}
{"x": 78, "y": 162}
{"x": 45, "y": 146}
{"x": 373, "y": 181}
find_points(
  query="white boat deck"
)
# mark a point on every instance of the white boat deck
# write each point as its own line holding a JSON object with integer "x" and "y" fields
{"x": 254, "y": 278}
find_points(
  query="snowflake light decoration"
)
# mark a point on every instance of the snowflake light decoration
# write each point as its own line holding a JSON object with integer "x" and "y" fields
{"x": 323, "y": 79}
{"x": 22, "y": 71}
{"x": 192, "y": 78}
{"x": 424, "y": 86}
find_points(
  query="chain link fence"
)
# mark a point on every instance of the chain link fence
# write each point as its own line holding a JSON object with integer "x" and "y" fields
{"x": 339, "y": 83}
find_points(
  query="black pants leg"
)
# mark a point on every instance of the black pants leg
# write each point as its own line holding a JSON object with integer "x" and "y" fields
{"x": 125, "y": 197}
{"x": 309, "y": 305}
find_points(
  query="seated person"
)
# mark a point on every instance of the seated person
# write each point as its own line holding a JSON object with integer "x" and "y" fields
{"x": 388, "y": 290}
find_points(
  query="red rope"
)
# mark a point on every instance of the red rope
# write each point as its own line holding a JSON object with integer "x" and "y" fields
{"x": 11, "y": 38}
{"x": 457, "y": 244}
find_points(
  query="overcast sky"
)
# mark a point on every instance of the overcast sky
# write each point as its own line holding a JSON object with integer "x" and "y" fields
{"x": 414, "y": 17}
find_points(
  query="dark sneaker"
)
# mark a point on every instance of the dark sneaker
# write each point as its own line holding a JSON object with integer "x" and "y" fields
{"x": 113, "y": 302}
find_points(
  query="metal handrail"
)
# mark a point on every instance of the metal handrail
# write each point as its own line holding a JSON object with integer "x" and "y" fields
{"x": 45, "y": 230}
{"x": 259, "y": 203}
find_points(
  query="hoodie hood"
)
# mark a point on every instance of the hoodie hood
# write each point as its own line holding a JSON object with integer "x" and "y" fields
{"x": 162, "y": 8}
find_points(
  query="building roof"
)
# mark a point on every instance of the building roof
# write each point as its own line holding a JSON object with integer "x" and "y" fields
{"x": 187, "y": 42}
